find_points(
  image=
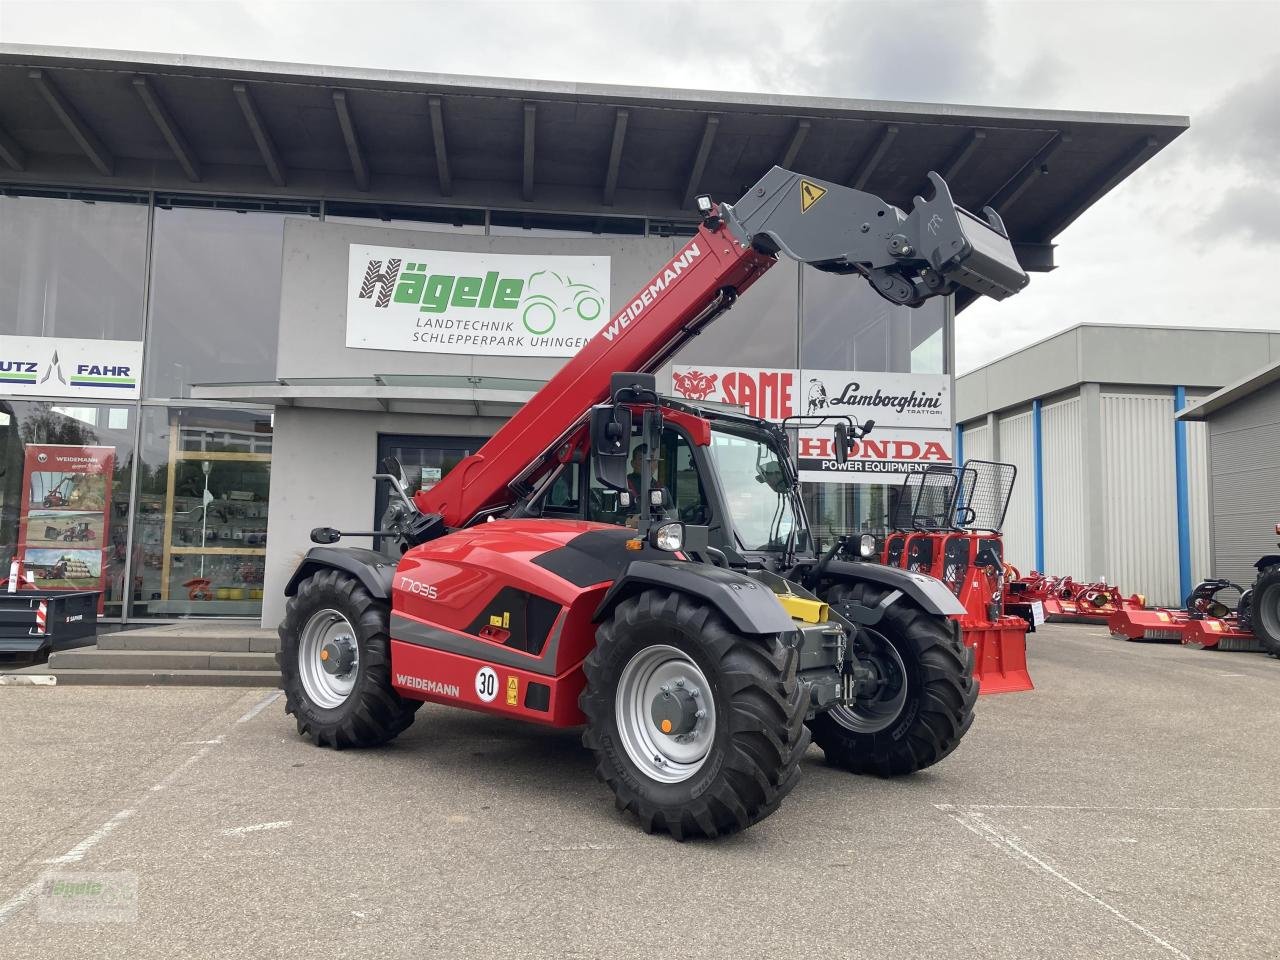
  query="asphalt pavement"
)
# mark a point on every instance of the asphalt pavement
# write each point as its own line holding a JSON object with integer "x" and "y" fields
{"x": 1127, "y": 808}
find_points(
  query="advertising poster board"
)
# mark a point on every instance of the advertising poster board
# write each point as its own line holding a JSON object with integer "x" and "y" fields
{"x": 912, "y": 413}
{"x": 64, "y": 523}
{"x": 489, "y": 304}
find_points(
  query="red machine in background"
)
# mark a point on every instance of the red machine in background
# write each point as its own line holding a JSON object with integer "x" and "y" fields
{"x": 1066, "y": 601}
{"x": 1206, "y": 622}
{"x": 948, "y": 522}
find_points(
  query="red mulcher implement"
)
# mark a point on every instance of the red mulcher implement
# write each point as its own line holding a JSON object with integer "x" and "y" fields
{"x": 949, "y": 521}
{"x": 1206, "y": 622}
{"x": 1066, "y": 601}
{"x": 689, "y": 624}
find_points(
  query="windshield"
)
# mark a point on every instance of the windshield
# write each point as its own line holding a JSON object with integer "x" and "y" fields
{"x": 756, "y": 494}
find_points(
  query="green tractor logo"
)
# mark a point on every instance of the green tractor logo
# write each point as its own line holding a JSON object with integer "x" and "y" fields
{"x": 548, "y": 295}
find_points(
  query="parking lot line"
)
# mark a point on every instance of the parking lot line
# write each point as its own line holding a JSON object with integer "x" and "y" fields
{"x": 78, "y": 852}
{"x": 259, "y": 707}
{"x": 980, "y": 825}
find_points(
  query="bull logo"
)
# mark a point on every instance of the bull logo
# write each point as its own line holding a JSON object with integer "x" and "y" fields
{"x": 817, "y": 397}
{"x": 695, "y": 385}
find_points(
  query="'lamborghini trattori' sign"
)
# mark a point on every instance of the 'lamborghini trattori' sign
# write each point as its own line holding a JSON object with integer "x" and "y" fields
{"x": 912, "y": 413}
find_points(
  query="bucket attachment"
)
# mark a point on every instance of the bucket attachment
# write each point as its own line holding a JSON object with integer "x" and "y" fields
{"x": 1000, "y": 656}
{"x": 949, "y": 520}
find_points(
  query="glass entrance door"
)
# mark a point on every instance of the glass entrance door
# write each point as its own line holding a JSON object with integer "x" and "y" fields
{"x": 426, "y": 460}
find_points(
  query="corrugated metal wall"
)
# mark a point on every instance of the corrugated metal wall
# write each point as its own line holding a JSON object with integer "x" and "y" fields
{"x": 1019, "y": 523}
{"x": 1244, "y": 457}
{"x": 1065, "y": 529}
{"x": 977, "y": 442}
{"x": 1198, "y": 500}
{"x": 1140, "y": 495}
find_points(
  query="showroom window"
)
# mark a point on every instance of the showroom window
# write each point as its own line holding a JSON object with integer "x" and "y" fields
{"x": 215, "y": 296}
{"x": 65, "y": 473}
{"x": 848, "y": 326}
{"x": 200, "y": 527}
{"x": 72, "y": 268}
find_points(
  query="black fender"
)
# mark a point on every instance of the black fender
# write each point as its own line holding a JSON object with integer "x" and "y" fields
{"x": 928, "y": 593}
{"x": 1270, "y": 560}
{"x": 374, "y": 570}
{"x": 750, "y": 606}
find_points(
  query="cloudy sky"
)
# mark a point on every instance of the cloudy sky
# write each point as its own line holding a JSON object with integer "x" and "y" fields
{"x": 1190, "y": 239}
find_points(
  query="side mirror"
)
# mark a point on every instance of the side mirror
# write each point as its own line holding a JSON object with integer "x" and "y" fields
{"x": 391, "y": 467}
{"x": 611, "y": 444}
{"x": 843, "y": 442}
{"x": 325, "y": 535}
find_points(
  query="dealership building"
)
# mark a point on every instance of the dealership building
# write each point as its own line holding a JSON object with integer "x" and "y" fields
{"x": 227, "y": 288}
{"x": 1117, "y": 477}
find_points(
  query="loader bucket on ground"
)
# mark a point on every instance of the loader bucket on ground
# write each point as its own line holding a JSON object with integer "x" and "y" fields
{"x": 1000, "y": 656}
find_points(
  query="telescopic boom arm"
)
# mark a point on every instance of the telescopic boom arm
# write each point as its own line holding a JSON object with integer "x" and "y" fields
{"x": 908, "y": 258}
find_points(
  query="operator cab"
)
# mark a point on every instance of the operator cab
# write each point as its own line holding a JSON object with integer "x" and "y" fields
{"x": 738, "y": 483}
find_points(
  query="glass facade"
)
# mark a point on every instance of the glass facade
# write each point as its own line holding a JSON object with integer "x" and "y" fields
{"x": 215, "y": 298}
{"x": 200, "y": 526}
{"x": 177, "y": 527}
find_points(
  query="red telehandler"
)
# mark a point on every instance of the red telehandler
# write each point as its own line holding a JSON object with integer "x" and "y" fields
{"x": 681, "y": 612}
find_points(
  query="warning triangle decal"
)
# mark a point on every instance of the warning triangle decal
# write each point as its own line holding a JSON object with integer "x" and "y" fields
{"x": 810, "y": 193}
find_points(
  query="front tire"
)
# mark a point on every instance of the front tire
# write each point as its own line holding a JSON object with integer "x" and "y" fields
{"x": 336, "y": 665}
{"x": 732, "y": 756}
{"x": 924, "y": 708}
{"x": 1264, "y": 610}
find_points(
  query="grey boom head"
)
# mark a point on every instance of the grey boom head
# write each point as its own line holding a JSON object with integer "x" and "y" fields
{"x": 907, "y": 257}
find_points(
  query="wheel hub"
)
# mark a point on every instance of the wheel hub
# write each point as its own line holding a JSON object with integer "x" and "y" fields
{"x": 328, "y": 658}
{"x": 665, "y": 713}
{"x": 879, "y": 688}
{"x": 338, "y": 656}
{"x": 675, "y": 710}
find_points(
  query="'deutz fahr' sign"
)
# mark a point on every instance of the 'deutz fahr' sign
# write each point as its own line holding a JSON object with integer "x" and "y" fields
{"x": 494, "y": 304}
{"x": 63, "y": 367}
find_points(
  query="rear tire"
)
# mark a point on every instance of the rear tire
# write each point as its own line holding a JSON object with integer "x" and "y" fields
{"x": 361, "y": 708}
{"x": 931, "y": 714}
{"x": 1264, "y": 610}
{"x": 750, "y": 757}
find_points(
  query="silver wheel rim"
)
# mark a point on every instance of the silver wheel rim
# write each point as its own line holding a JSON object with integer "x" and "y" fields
{"x": 877, "y": 713}
{"x": 659, "y": 756}
{"x": 325, "y": 689}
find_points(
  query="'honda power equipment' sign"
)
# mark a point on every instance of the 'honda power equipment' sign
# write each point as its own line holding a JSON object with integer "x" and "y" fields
{"x": 445, "y": 301}
{"x": 912, "y": 413}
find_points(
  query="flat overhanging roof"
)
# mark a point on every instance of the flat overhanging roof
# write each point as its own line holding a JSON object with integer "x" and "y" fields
{"x": 108, "y": 119}
{"x": 1232, "y": 392}
{"x": 457, "y": 396}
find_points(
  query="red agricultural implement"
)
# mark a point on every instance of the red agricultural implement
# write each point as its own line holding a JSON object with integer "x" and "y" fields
{"x": 1066, "y": 601}
{"x": 1206, "y": 622}
{"x": 949, "y": 521}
